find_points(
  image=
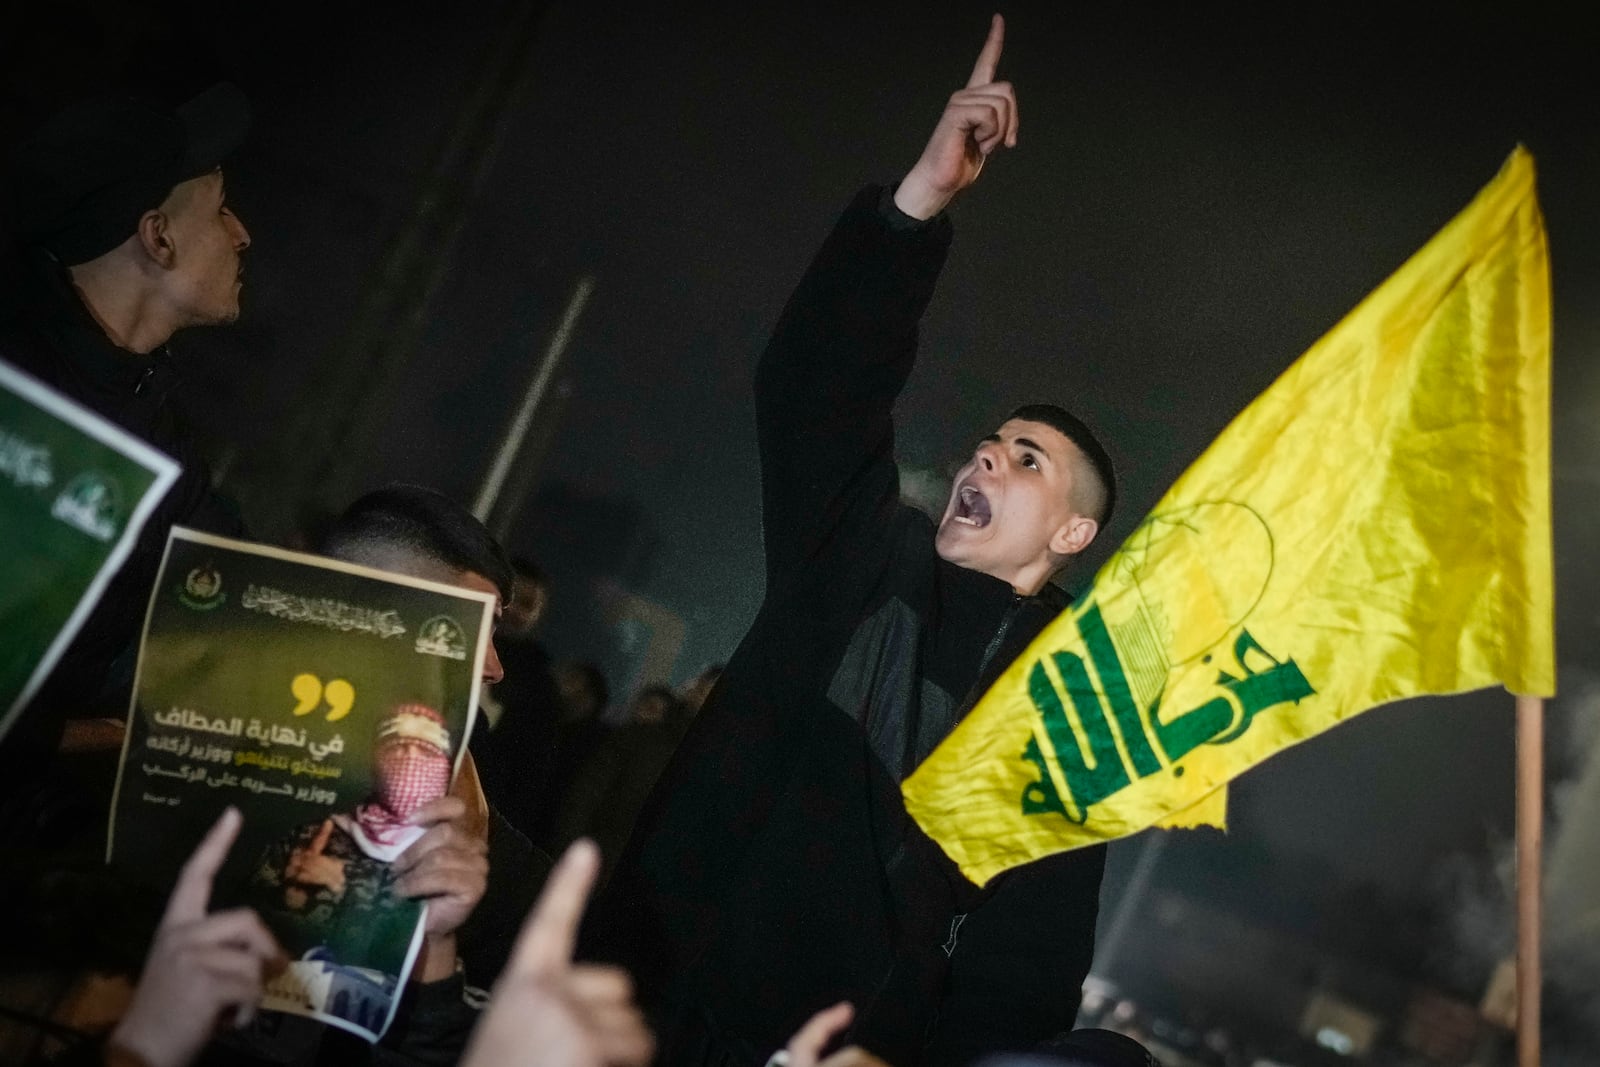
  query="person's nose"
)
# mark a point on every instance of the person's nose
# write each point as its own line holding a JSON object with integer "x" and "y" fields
{"x": 492, "y": 670}
{"x": 241, "y": 236}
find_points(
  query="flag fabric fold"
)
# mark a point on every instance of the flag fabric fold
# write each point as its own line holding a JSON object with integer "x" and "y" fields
{"x": 1375, "y": 526}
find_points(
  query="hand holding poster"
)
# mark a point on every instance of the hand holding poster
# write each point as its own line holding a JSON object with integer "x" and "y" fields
{"x": 74, "y": 492}
{"x": 329, "y": 703}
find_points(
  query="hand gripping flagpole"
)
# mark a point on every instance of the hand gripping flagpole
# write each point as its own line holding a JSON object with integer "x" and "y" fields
{"x": 1530, "y": 834}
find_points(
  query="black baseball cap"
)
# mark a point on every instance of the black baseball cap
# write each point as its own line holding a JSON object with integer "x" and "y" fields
{"x": 79, "y": 183}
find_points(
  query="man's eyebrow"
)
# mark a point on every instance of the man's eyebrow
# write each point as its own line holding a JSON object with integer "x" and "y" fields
{"x": 1029, "y": 443}
{"x": 994, "y": 437}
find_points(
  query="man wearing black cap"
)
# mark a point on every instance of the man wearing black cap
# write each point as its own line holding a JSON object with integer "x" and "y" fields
{"x": 117, "y": 205}
{"x": 775, "y": 870}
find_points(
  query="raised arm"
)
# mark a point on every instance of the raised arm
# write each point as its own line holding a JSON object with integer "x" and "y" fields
{"x": 841, "y": 352}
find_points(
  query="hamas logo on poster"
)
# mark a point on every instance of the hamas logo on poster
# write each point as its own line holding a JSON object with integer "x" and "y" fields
{"x": 442, "y": 636}
{"x": 1213, "y": 560}
{"x": 92, "y": 504}
{"x": 202, "y": 589}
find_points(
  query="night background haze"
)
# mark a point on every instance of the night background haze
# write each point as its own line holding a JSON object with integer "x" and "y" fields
{"x": 1199, "y": 192}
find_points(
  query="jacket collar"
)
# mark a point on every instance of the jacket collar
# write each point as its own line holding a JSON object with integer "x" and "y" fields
{"x": 91, "y": 356}
{"x": 1052, "y": 599}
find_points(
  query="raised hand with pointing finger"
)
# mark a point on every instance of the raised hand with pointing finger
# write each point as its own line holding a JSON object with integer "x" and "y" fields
{"x": 312, "y": 868}
{"x": 977, "y": 120}
{"x": 805, "y": 1048}
{"x": 878, "y": 624}
{"x": 204, "y": 970}
{"x": 546, "y": 1009}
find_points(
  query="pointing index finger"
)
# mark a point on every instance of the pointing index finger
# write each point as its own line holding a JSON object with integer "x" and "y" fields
{"x": 319, "y": 844}
{"x": 989, "y": 58}
{"x": 548, "y": 937}
{"x": 192, "y": 895}
{"x": 805, "y": 1047}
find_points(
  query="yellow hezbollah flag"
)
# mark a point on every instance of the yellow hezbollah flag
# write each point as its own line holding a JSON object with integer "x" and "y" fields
{"x": 1374, "y": 526}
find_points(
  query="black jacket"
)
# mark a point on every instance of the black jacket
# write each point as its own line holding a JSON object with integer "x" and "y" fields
{"x": 774, "y": 870}
{"x": 517, "y": 758}
{"x": 51, "y": 335}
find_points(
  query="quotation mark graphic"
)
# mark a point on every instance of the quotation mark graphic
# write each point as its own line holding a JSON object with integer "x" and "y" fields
{"x": 309, "y": 690}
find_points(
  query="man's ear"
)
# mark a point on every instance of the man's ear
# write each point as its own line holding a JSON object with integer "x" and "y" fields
{"x": 155, "y": 238}
{"x": 1074, "y": 535}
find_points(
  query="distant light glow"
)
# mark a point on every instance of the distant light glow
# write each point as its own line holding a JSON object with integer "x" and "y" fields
{"x": 1337, "y": 1040}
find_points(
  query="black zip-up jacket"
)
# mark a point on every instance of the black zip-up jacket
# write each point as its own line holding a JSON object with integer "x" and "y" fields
{"x": 52, "y": 336}
{"x": 774, "y": 870}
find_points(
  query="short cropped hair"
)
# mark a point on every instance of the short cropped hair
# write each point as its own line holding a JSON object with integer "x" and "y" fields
{"x": 425, "y": 522}
{"x": 1101, "y": 496}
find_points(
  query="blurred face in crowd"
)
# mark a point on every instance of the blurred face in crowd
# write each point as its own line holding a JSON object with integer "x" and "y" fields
{"x": 579, "y": 701}
{"x": 652, "y": 706}
{"x": 1011, "y": 512}
{"x": 199, "y": 245}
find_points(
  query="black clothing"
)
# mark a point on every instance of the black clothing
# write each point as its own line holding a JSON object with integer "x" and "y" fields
{"x": 1094, "y": 1047}
{"x": 611, "y": 786}
{"x": 517, "y": 758}
{"x": 775, "y": 871}
{"x": 54, "y": 338}
{"x": 517, "y": 873}
{"x": 576, "y": 743}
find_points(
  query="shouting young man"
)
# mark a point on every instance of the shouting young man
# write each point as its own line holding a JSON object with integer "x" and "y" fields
{"x": 775, "y": 869}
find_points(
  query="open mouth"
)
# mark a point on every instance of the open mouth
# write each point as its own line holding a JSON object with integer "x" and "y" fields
{"x": 972, "y": 507}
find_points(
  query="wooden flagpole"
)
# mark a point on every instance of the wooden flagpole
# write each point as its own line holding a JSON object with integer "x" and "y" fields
{"x": 1530, "y": 838}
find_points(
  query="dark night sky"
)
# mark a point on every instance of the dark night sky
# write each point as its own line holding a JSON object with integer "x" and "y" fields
{"x": 1199, "y": 192}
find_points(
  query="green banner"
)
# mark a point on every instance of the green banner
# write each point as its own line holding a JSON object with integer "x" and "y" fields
{"x": 74, "y": 492}
{"x": 326, "y": 702}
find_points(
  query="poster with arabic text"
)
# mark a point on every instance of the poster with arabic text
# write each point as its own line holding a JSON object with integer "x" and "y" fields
{"x": 327, "y": 702}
